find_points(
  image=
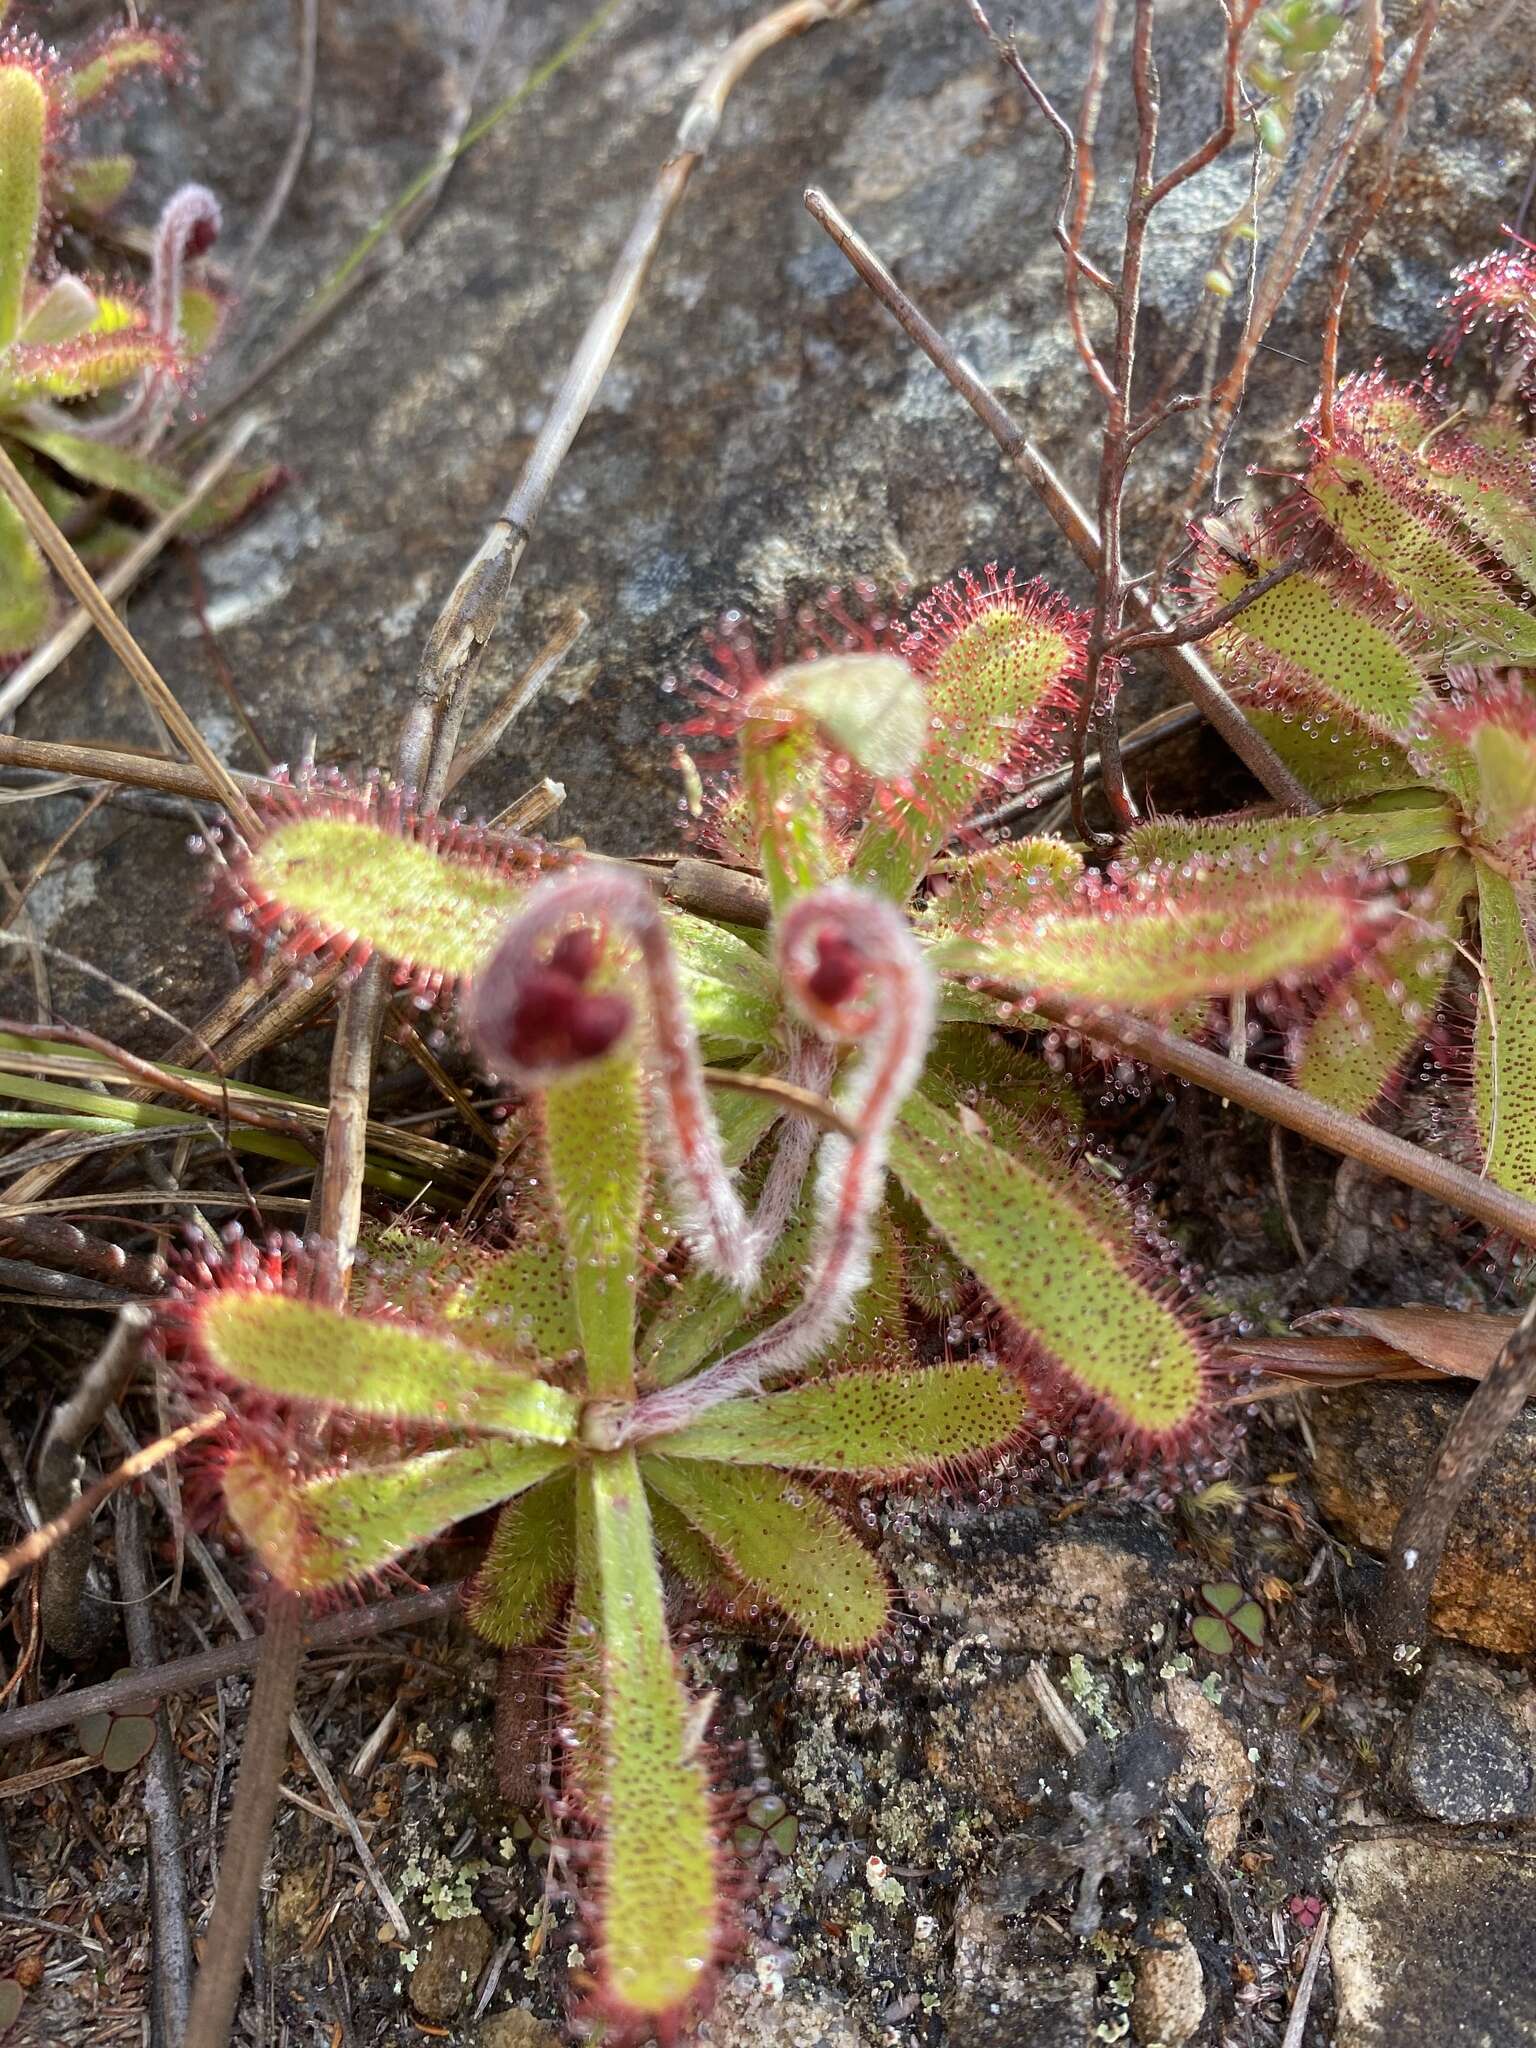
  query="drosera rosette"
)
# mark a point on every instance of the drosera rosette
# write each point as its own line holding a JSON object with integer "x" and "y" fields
{"x": 512, "y": 1380}
{"x": 397, "y": 885}
{"x": 1495, "y": 297}
{"x": 92, "y": 368}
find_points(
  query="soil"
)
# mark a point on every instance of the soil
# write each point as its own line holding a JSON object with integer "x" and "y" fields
{"x": 766, "y": 434}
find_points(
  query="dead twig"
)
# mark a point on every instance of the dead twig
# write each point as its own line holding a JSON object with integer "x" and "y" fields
{"x": 32, "y": 1549}
{"x": 1296, "y": 2026}
{"x": 67, "y": 1628}
{"x": 131, "y": 1691}
{"x": 172, "y": 1988}
{"x": 1401, "y": 1621}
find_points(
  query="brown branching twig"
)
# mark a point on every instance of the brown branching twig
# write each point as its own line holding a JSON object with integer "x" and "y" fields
{"x": 1007, "y": 53}
{"x": 1193, "y": 675}
{"x": 61, "y": 1245}
{"x": 1365, "y": 219}
{"x": 1401, "y": 1621}
{"x": 59, "y": 1470}
{"x": 1201, "y": 625}
{"x": 172, "y": 1988}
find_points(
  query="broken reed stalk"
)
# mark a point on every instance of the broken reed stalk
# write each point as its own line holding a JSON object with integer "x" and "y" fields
{"x": 428, "y": 746}
{"x": 1188, "y": 669}
{"x": 1400, "y": 1624}
{"x": 73, "y": 573}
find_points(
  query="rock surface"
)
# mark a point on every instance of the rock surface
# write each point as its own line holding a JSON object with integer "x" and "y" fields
{"x": 1373, "y": 1443}
{"x": 1006, "y": 1992}
{"x": 1430, "y": 1944}
{"x": 1094, "y": 1589}
{"x": 1468, "y": 1750}
{"x": 517, "y": 2029}
{"x": 445, "y": 1976}
{"x": 1168, "y": 2003}
{"x": 1216, "y": 1760}
{"x": 744, "y": 2016}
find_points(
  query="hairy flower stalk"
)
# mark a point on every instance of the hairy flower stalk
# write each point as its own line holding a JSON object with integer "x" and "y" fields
{"x": 536, "y": 1018}
{"x": 856, "y": 972}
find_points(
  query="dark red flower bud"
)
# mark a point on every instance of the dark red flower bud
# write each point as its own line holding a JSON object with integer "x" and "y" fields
{"x": 577, "y": 953}
{"x": 598, "y": 1022}
{"x": 201, "y": 236}
{"x": 839, "y": 972}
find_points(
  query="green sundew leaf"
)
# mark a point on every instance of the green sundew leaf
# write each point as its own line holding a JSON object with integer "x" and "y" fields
{"x": 408, "y": 901}
{"x": 1374, "y": 1018}
{"x": 899, "y": 1423}
{"x": 117, "y": 56}
{"x": 1004, "y": 667}
{"x": 791, "y": 1547}
{"x": 966, "y": 1063}
{"x": 1504, "y": 1044}
{"x": 701, "y": 1318}
{"x": 1421, "y": 823}
{"x": 529, "y": 1567}
{"x": 732, "y": 992}
{"x": 80, "y": 368}
{"x": 595, "y": 1146}
{"x": 1333, "y": 758}
{"x": 1315, "y": 637}
{"x": 1041, "y": 1248}
{"x": 1484, "y": 471}
{"x": 325, "y": 1532}
{"x": 201, "y": 318}
{"x": 23, "y": 134}
{"x": 516, "y": 1301}
{"x": 1021, "y": 874}
{"x": 26, "y": 596}
{"x": 1504, "y": 759}
{"x": 1217, "y": 933}
{"x": 302, "y": 1351}
{"x": 660, "y": 1910}
{"x": 695, "y": 1562}
{"x": 867, "y": 707}
{"x": 1396, "y": 530}
{"x": 94, "y": 184}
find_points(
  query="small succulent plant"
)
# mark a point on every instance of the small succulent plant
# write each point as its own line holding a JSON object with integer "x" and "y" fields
{"x": 91, "y": 369}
